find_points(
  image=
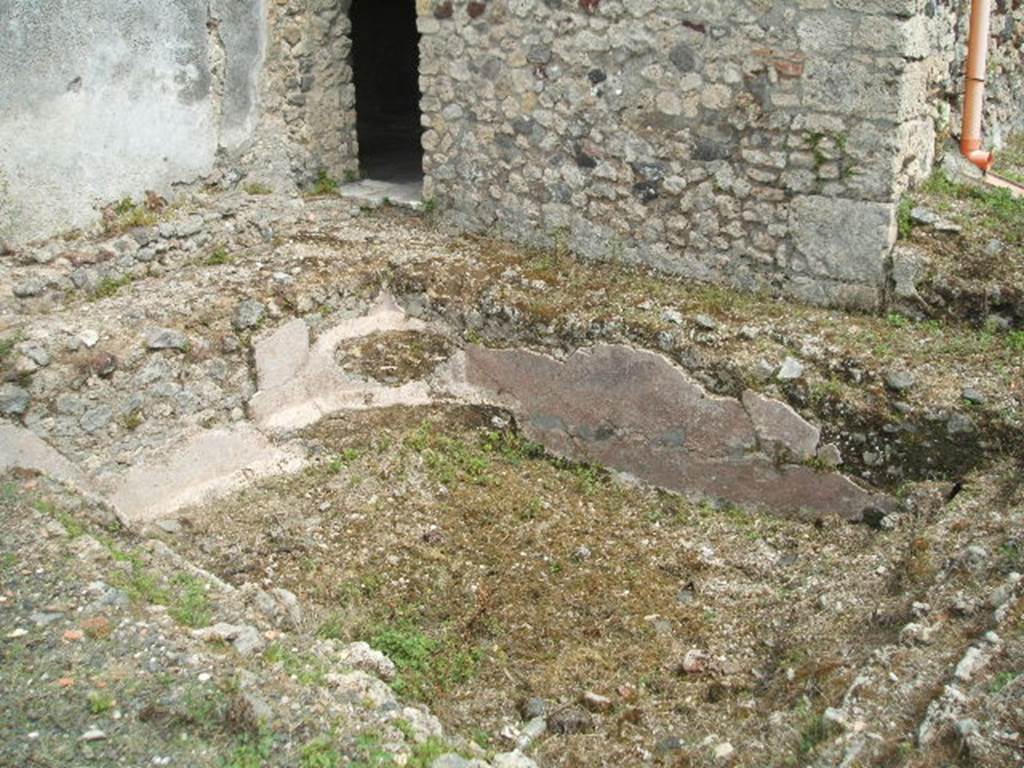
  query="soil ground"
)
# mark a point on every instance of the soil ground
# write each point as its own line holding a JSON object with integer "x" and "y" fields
{"x": 493, "y": 575}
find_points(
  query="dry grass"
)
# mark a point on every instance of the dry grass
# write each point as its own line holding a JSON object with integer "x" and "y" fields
{"x": 493, "y": 573}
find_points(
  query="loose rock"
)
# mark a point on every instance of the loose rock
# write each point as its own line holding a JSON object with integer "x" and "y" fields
{"x": 248, "y": 315}
{"x": 166, "y": 338}
{"x": 14, "y": 400}
{"x": 791, "y": 369}
{"x": 570, "y": 720}
{"x": 899, "y": 380}
{"x": 28, "y": 288}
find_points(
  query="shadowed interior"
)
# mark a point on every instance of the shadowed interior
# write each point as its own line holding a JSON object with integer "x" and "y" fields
{"x": 385, "y": 53}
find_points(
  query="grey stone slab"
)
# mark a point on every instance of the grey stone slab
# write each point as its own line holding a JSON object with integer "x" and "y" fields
{"x": 636, "y": 412}
{"x": 779, "y": 426}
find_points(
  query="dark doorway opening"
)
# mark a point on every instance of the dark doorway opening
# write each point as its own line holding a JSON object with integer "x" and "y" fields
{"x": 386, "y": 63}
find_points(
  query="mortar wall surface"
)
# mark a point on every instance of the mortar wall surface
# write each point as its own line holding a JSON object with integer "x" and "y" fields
{"x": 759, "y": 143}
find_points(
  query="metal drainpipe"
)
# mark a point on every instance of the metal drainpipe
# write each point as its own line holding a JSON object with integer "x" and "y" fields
{"x": 974, "y": 92}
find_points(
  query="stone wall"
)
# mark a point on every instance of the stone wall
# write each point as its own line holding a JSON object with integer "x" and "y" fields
{"x": 101, "y": 100}
{"x": 307, "y": 95}
{"x": 759, "y": 143}
{"x": 1004, "y": 102}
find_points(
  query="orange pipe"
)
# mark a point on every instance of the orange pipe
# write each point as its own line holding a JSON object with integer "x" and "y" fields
{"x": 974, "y": 91}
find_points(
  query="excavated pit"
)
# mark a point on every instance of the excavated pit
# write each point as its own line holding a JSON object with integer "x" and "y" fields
{"x": 523, "y": 476}
{"x": 526, "y": 577}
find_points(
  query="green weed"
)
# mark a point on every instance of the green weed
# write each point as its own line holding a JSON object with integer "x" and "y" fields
{"x": 814, "y": 729}
{"x": 191, "y": 604}
{"x": 424, "y": 664}
{"x": 218, "y": 257}
{"x": 425, "y": 754}
{"x": 72, "y": 524}
{"x": 342, "y": 459}
{"x": 257, "y": 188}
{"x": 904, "y": 220}
{"x": 7, "y": 347}
{"x": 129, "y": 215}
{"x": 203, "y": 708}
{"x": 305, "y": 668}
{"x": 449, "y": 460}
{"x": 1003, "y": 679}
{"x": 319, "y": 753}
{"x": 100, "y": 702}
{"x": 250, "y": 752}
{"x": 109, "y": 286}
{"x": 371, "y": 754}
{"x": 324, "y": 185}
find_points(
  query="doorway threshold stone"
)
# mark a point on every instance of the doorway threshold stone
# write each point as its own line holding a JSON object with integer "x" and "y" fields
{"x": 404, "y": 194}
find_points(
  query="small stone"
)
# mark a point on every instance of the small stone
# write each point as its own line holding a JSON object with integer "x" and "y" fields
{"x": 695, "y": 661}
{"x": 595, "y": 702}
{"x": 532, "y": 731}
{"x": 994, "y": 247}
{"x": 248, "y": 641}
{"x": 899, "y": 380}
{"x": 514, "y": 759}
{"x": 14, "y": 400}
{"x": 193, "y": 225}
{"x": 790, "y": 370}
{"x": 974, "y": 395}
{"x": 830, "y": 456}
{"x": 724, "y": 752}
{"x": 43, "y": 619}
{"x": 36, "y": 353}
{"x": 143, "y": 236}
{"x": 706, "y": 322}
{"x": 966, "y": 727}
{"x": 248, "y": 315}
{"x": 28, "y": 288}
{"x": 95, "y": 419}
{"x": 366, "y": 659}
{"x": 245, "y": 638}
{"x": 924, "y": 217}
{"x": 103, "y": 364}
{"x": 959, "y": 424}
{"x": 170, "y": 526}
{"x": 763, "y": 370}
{"x": 89, "y": 338}
{"x": 73, "y": 635}
{"x": 166, "y": 338}
{"x": 93, "y": 734}
{"x": 539, "y": 54}
{"x": 453, "y": 760}
{"x": 570, "y": 720}
{"x": 533, "y": 707}
{"x": 672, "y": 316}
{"x": 669, "y": 744}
